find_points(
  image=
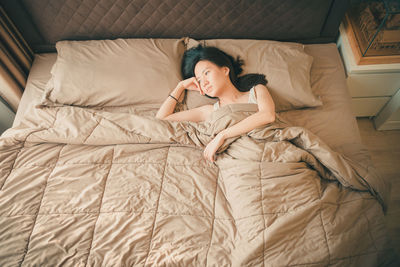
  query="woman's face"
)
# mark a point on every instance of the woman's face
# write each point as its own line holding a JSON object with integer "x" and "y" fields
{"x": 211, "y": 77}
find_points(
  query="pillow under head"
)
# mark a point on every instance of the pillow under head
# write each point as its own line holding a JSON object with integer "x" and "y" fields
{"x": 286, "y": 66}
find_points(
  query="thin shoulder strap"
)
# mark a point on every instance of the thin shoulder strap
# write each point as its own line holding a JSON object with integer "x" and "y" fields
{"x": 252, "y": 95}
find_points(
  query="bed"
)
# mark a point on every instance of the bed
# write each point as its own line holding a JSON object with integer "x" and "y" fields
{"x": 89, "y": 177}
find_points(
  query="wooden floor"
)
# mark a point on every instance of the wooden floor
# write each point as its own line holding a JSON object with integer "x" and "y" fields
{"x": 384, "y": 147}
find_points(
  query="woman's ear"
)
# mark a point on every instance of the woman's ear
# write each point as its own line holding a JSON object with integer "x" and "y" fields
{"x": 226, "y": 70}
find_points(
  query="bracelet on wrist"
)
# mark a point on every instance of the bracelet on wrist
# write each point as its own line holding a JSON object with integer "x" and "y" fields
{"x": 174, "y": 98}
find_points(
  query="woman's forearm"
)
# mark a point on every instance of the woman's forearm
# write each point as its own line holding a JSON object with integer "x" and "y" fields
{"x": 244, "y": 126}
{"x": 248, "y": 124}
{"x": 167, "y": 108}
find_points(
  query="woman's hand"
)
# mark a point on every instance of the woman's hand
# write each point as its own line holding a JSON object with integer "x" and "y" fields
{"x": 212, "y": 147}
{"x": 191, "y": 84}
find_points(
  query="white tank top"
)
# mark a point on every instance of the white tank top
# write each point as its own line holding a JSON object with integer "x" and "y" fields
{"x": 252, "y": 98}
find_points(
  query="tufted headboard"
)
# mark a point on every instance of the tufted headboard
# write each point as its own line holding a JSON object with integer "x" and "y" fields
{"x": 44, "y": 22}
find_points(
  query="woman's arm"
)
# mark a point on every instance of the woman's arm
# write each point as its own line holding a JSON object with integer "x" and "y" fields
{"x": 169, "y": 104}
{"x": 195, "y": 114}
{"x": 166, "y": 111}
{"x": 265, "y": 115}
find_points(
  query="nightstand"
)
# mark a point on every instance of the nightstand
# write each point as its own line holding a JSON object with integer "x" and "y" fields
{"x": 374, "y": 88}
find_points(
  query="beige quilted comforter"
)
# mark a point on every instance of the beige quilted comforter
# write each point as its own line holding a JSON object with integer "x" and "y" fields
{"x": 83, "y": 187}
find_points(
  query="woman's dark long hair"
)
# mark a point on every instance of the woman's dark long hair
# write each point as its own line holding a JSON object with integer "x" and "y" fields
{"x": 243, "y": 83}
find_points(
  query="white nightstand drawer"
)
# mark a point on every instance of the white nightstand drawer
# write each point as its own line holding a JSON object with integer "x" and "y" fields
{"x": 367, "y": 106}
{"x": 381, "y": 84}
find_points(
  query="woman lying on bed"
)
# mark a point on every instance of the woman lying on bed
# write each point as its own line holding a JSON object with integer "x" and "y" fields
{"x": 214, "y": 73}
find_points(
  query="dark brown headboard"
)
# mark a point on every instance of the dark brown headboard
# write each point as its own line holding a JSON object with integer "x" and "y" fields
{"x": 43, "y": 22}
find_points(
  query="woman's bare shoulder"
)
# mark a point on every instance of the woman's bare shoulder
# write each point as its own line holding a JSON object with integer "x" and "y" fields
{"x": 264, "y": 98}
{"x": 260, "y": 87}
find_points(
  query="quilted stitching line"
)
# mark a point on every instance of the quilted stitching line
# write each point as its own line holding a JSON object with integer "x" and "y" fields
{"x": 358, "y": 255}
{"x": 156, "y": 211}
{"x": 118, "y": 126}
{"x": 106, "y": 163}
{"x": 262, "y": 211}
{"x": 316, "y": 263}
{"x": 124, "y": 163}
{"x": 322, "y": 223}
{"x": 369, "y": 231}
{"x": 101, "y": 202}
{"x": 23, "y": 145}
{"x": 213, "y": 217}
{"x": 91, "y": 132}
{"x": 13, "y": 164}
{"x": 164, "y": 213}
{"x": 37, "y": 214}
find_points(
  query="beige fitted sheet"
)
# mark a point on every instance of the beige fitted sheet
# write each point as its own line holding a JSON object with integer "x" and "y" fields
{"x": 333, "y": 122}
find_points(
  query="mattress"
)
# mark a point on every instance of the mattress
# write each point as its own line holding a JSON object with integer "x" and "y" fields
{"x": 327, "y": 78}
